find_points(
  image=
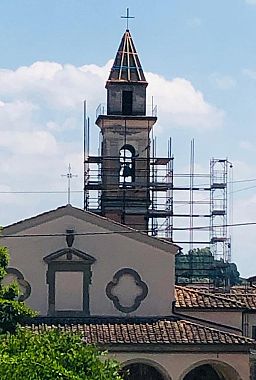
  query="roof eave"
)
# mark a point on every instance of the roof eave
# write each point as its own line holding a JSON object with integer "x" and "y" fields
{"x": 179, "y": 347}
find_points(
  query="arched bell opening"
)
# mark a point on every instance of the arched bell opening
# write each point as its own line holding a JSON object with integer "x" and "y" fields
{"x": 142, "y": 371}
{"x": 127, "y": 165}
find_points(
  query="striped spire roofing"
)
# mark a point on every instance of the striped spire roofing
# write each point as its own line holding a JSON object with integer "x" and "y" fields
{"x": 127, "y": 66}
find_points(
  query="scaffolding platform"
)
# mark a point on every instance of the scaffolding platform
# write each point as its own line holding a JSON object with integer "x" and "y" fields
{"x": 157, "y": 193}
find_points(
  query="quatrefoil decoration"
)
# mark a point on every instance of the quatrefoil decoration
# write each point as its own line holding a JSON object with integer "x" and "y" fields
{"x": 14, "y": 274}
{"x": 135, "y": 285}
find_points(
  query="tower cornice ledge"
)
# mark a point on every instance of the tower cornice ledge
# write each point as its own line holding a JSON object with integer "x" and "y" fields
{"x": 104, "y": 121}
{"x": 125, "y": 82}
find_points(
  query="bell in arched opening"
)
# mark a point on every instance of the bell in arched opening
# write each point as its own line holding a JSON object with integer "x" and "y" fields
{"x": 127, "y": 165}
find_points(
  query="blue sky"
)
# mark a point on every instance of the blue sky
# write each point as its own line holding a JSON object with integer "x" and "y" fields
{"x": 200, "y": 61}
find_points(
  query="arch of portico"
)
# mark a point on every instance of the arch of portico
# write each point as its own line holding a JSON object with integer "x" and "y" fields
{"x": 140, "y": 369}
{"x": 210, "y": 370}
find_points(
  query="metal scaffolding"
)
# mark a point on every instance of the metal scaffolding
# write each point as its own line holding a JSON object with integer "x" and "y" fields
{"x": 203, "y": 197}
{"x": 219, "y": 238}
{"x": 159, "y": 186}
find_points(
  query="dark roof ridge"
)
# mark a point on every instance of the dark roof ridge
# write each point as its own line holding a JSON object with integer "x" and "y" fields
{"x": 104, "y": 318}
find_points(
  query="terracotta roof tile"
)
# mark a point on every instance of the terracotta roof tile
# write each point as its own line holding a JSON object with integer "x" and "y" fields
{"x": 238, "y": 297}
{"x": 244, "y": 294}
{"x": 143, "y": 331}
{"x": 193, "y": 298}
{"x": 247, "y": 299}
{"x": 243, "y": 289}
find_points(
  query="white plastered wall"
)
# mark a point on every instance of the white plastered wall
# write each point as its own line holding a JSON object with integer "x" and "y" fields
{"x": 231, "y": 319}
{"x": 174, "y": 366}
{"x": 112, "y": 252}
{"x": 251, "y": 320}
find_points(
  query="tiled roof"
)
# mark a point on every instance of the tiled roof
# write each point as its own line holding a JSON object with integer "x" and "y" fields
{"x": 145, "y": 331}
{"x": 243, "y": 289}
{"x": 238, "y": 297}
{"x": 247, "y": 299}
{"x": 245, "y": 294}
{"x": 198, "y": 299}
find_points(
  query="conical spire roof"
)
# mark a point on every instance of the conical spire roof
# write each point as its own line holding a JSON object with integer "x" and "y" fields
{"x": 127, "y": 66}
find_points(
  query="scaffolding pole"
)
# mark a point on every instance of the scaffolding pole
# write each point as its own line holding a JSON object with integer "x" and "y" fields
{"x": 161, "y": 209}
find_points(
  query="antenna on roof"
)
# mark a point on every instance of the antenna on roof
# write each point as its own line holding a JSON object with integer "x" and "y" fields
{"x": 127, "y": 17}
{"x": 69, "y": 176}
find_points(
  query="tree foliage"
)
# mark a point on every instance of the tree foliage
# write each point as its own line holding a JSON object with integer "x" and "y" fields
{"x": 52, "y": 355}
{"x": 199, "y": 265}
{"x": 12, "y": 311}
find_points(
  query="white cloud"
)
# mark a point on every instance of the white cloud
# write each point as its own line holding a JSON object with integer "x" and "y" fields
{"x": 251, "y": 2}
{"x": 243, "y": 237}
{"x": 41, "y": 118}
{"x": 247, "y": 145}
{"x": 49, "y": 85}
{"x": 16, "y": 114}
{"x": 6, "y": 197}
{"x": 53, "y": 85}
{"x": 250, "y": 73}
{"x": 194, "y": 22}
{"x": 223, "y": 82}
{"x": 181, "y": 104}
{"x": 29, "y": 143}
{"x": 244, "y": 211}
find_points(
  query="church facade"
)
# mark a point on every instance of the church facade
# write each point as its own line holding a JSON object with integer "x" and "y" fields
{"x": 102, "y": 275}
{"x": 83, "y": 272}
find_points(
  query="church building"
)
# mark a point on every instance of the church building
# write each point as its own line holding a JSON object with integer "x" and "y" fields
{"x": 100, "y": 273}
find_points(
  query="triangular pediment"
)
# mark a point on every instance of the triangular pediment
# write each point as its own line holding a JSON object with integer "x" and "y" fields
{"x": 89, "y": 217}
{"x": 69, "y": 254}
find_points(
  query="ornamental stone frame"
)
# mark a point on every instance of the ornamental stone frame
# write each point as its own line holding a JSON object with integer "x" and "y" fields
{"x": 68, "y": 260}
{"x": 138, "y": 281}
{"x": 21, "y": 282}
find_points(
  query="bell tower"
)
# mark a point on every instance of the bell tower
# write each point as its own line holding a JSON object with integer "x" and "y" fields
{"x": 125, "y": 146}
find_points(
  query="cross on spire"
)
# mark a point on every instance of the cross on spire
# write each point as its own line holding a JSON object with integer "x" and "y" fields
{"x": 127, "y": 17}
{"x": 69, "y": 176}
